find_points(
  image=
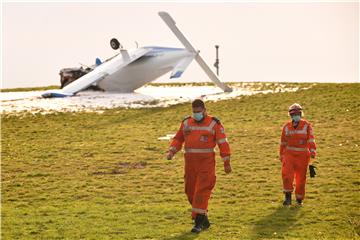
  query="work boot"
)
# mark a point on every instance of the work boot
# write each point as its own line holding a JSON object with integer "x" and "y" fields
{"x": 287, "y": 201}
{"x": 199, "y": 223}
{"x": 299, "y": 202}
{"x": 206, "y": 223}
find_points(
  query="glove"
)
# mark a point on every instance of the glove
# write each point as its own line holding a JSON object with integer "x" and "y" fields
{"x": 227, "y": 169}
{"x": 312, "y": 171}
{"x": 170, "y": 155}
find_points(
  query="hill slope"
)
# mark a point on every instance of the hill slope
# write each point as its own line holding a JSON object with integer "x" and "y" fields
{"x": 104, "y": 176}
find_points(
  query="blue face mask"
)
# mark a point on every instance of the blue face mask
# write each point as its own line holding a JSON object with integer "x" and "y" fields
{"x": 198, "y": 116}
{"x": 296, "y": 118}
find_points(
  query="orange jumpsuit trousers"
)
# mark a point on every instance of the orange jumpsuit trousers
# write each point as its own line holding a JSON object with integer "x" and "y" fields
{"x": 200, "y": 139}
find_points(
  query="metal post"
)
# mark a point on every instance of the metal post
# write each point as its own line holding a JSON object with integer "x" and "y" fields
{"x": 216, "y": 64}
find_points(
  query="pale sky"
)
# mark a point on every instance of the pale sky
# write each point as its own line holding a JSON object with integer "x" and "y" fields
{"x": 306, "y": 42}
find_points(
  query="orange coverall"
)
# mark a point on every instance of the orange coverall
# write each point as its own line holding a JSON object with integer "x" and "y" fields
{"x": 297, "y": 145}
{"x": 200, "y": 140}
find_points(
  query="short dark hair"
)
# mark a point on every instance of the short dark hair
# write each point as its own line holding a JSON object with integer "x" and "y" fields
{"x": 198, "y": 103}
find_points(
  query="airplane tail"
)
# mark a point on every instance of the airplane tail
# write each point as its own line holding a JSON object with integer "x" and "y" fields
{"x": 172, "y": 25}
{"x": 98, "y": 61}
{"x": 181, "y": 66}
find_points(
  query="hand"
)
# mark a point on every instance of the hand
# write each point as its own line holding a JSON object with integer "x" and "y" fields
{"x": 169, "y": 156}
{"x": 312, "y": 171}
{"x": 227, "y": 169}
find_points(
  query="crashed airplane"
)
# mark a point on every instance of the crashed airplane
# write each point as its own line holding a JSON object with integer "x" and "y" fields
{"x": 131, "y": 69}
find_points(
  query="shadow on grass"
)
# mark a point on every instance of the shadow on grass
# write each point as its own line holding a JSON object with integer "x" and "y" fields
{"x": 277, "y": 223}
{"x": 183, "y": 236}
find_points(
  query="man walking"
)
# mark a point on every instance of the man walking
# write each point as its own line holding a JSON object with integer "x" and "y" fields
{"x": 200, "y": 134}
{"x": 296, "y": 147}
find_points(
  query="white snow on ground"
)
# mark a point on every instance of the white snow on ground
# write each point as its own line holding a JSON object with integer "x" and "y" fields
{"x": 147, "y": 96}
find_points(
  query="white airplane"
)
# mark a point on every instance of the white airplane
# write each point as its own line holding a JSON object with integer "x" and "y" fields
{"x": 131, "y": 69}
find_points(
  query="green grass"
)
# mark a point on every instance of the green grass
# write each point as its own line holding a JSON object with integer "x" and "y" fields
{"x": 104, "y": 176}
{"x": 29, "y": 89}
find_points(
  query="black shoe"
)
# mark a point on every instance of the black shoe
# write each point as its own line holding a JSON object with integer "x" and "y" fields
{"x": 299, "y": 202}
{"x": 287, "y": 201}
{"x": 206, "y": 223}
{"x": 199, "y": 223}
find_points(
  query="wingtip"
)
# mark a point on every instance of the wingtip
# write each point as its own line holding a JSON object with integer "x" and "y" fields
{"x": 228, "y": 89}
{"x": 166, "y": 17}
{"x": 163, "y": 13}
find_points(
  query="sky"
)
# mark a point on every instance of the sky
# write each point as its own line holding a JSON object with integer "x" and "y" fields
{"x": 287, "y": 42}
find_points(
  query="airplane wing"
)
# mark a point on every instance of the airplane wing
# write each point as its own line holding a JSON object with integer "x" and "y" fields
{"x": 99, "y": 73}
{"x": 169, "y": 21}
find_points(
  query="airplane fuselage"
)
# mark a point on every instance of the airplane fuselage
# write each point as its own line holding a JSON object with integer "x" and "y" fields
{"x": 154, "y": 64}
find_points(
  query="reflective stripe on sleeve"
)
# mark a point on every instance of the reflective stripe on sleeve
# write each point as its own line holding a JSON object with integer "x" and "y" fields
{"x": 296, "y": 149}
{"x": 186, "y": 126}
{"x": 199, "y": 150}
{"x": 173, "y": 149}
{"x": 226, "y": 158}
{"x": 186, "y": 123}
{"x": 212, "y": 124}
{"x": 222, "y": 140}
{"x": 311, "y": 140}
{"x": 312, "y": 150}
{"x": 283, "y": 143}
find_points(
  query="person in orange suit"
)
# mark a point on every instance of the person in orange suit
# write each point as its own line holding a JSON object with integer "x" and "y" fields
{"x": 200, "y": 135}
{"x": 296, "y": 148}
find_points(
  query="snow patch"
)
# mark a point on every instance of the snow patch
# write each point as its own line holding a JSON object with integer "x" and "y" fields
{"x": 144, "y": 97}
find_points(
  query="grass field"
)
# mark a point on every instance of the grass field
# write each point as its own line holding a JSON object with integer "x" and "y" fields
{"x": 29, "y": 89}
{"x": 104, "y": 176}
